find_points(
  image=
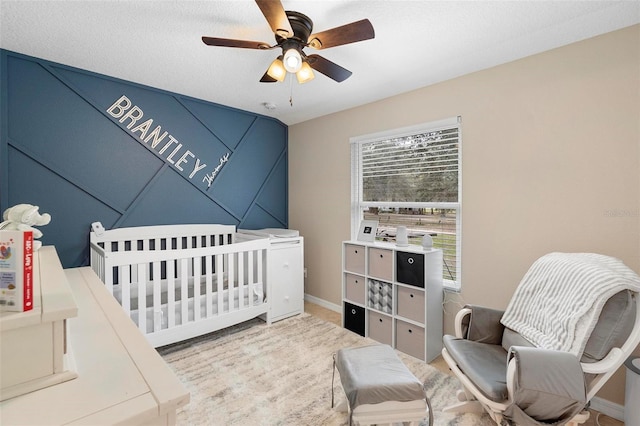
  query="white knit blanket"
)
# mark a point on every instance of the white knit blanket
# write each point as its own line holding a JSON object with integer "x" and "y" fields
{"x": 559, "y": 300}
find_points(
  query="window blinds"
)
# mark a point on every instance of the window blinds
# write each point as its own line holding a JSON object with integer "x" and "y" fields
{"x": 418, "y": 167}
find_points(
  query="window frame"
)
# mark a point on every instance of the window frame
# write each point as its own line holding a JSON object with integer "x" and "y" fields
{"x": 358, "y": 205}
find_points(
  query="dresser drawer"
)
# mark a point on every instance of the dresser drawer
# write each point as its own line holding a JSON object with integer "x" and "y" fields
{"x": 380, "y": 328}
{"x": 354, "y": 319}
{"x": 411, "y": 303}
{"x": 381, "y": 263}
{"x": 410, "y": 268}
{"x": 410, "y": 339}
{"x": 354, "y": 258}
{"x": 354, "y": 288}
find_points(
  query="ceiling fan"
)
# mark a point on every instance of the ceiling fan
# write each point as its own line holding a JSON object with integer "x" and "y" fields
{"x": 293, "y": 32}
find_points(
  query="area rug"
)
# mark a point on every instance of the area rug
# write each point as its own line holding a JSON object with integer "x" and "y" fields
{"x": 254, "y": 374}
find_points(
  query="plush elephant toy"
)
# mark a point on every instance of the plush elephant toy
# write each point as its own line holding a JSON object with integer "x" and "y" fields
{"x": 23, "y": 217}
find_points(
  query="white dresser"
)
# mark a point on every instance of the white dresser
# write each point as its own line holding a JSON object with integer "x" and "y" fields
{"x": 119, "y": 377}
{"x": 33, "y": 344}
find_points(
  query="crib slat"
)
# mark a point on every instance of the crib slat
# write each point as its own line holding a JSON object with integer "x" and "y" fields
{"x": 240, "y": 257}
{"x": 142, "y": 296}
{"x": 119, "y": 246}
{"x": 220, "y": 282}
{"x": 207, "y": 273}
{"x": 171, "y": 295}
{"x": 258, "y": 273}
{"x": 108, "y": 275}
{"x": 179, "y": 246}
{"x": 125, "y": 287}
{"x": 196, "y": 289}
{"x": 232, "y": 281}
{"x": 157, "y": 292}
{"x": 184, "y": 291}
{"x": 259, "y": 262}
{"x": 250, "y": 279}
{"x": 196, "y": 268}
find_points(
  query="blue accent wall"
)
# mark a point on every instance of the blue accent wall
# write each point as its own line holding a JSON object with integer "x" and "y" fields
{"x": 87, "y": 147}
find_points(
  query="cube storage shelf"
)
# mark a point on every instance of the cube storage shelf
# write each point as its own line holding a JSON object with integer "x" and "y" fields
{"x": 394, "y": 295}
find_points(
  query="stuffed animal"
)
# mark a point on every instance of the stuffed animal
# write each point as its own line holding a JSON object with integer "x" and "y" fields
{"x": 23, "y": 217}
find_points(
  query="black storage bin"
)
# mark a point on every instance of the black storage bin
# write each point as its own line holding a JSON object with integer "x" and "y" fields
{"x": 354, "y": 318}
{"x": 410, "y": 268}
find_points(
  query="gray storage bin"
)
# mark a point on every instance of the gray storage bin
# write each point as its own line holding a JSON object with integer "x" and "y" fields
{"x": 380, "y": 296}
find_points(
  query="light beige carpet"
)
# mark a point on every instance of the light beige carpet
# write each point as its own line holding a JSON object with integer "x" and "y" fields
{"x": 254, "y": 374}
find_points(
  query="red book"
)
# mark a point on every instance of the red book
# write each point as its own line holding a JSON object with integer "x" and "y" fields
{"x": 16, "y": 271}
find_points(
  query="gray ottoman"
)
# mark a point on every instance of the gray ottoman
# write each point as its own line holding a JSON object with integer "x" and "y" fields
{"x": 379, "y": 387}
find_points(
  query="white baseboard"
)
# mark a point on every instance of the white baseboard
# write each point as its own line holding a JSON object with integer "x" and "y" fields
{"x": 321, "y": 302}
{"x": 608, "y": 408}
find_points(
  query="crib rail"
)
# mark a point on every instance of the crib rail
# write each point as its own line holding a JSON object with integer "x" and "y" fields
{"x": 163, "y": 236}
{"x": 175, "y": 286}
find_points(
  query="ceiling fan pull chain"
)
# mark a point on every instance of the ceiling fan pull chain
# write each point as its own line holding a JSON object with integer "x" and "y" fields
{"x": 291, "y": 91}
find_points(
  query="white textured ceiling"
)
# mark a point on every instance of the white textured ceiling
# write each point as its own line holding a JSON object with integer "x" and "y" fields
{"x": 417, "y": 43}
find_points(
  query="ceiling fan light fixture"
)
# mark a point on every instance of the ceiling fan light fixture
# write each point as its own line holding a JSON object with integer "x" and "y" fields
{"x": 292, "y": 60}
{"x": 277, "y": 70}
{"x": 305, "y": 74}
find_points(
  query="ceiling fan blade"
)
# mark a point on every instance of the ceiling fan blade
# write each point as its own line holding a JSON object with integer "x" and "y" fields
{"x": 276, "y": 17}
{"x": 328, "y": 68}
{"x": 349, "y": 33}
{"x": 227, "y": 42}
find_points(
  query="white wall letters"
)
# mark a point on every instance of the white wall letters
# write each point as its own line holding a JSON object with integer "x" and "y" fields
{"x": 123, "y": 110}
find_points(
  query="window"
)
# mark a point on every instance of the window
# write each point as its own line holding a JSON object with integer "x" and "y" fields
{"x": 411, "y": 177}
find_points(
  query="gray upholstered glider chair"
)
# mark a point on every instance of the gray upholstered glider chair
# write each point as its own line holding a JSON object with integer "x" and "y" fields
{"x": 571, "y": 323}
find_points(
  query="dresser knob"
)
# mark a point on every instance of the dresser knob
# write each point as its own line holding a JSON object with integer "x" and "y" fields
{"x": 410, "y": 261}
{"x": 380, "y": 319}
{"x": 353, "y": 312}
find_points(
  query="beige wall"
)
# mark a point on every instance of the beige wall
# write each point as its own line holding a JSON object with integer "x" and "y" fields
{"x": 550, "y": 162}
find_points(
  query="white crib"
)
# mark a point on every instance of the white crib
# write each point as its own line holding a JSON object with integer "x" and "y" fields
{"x": 181, "y": 281}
